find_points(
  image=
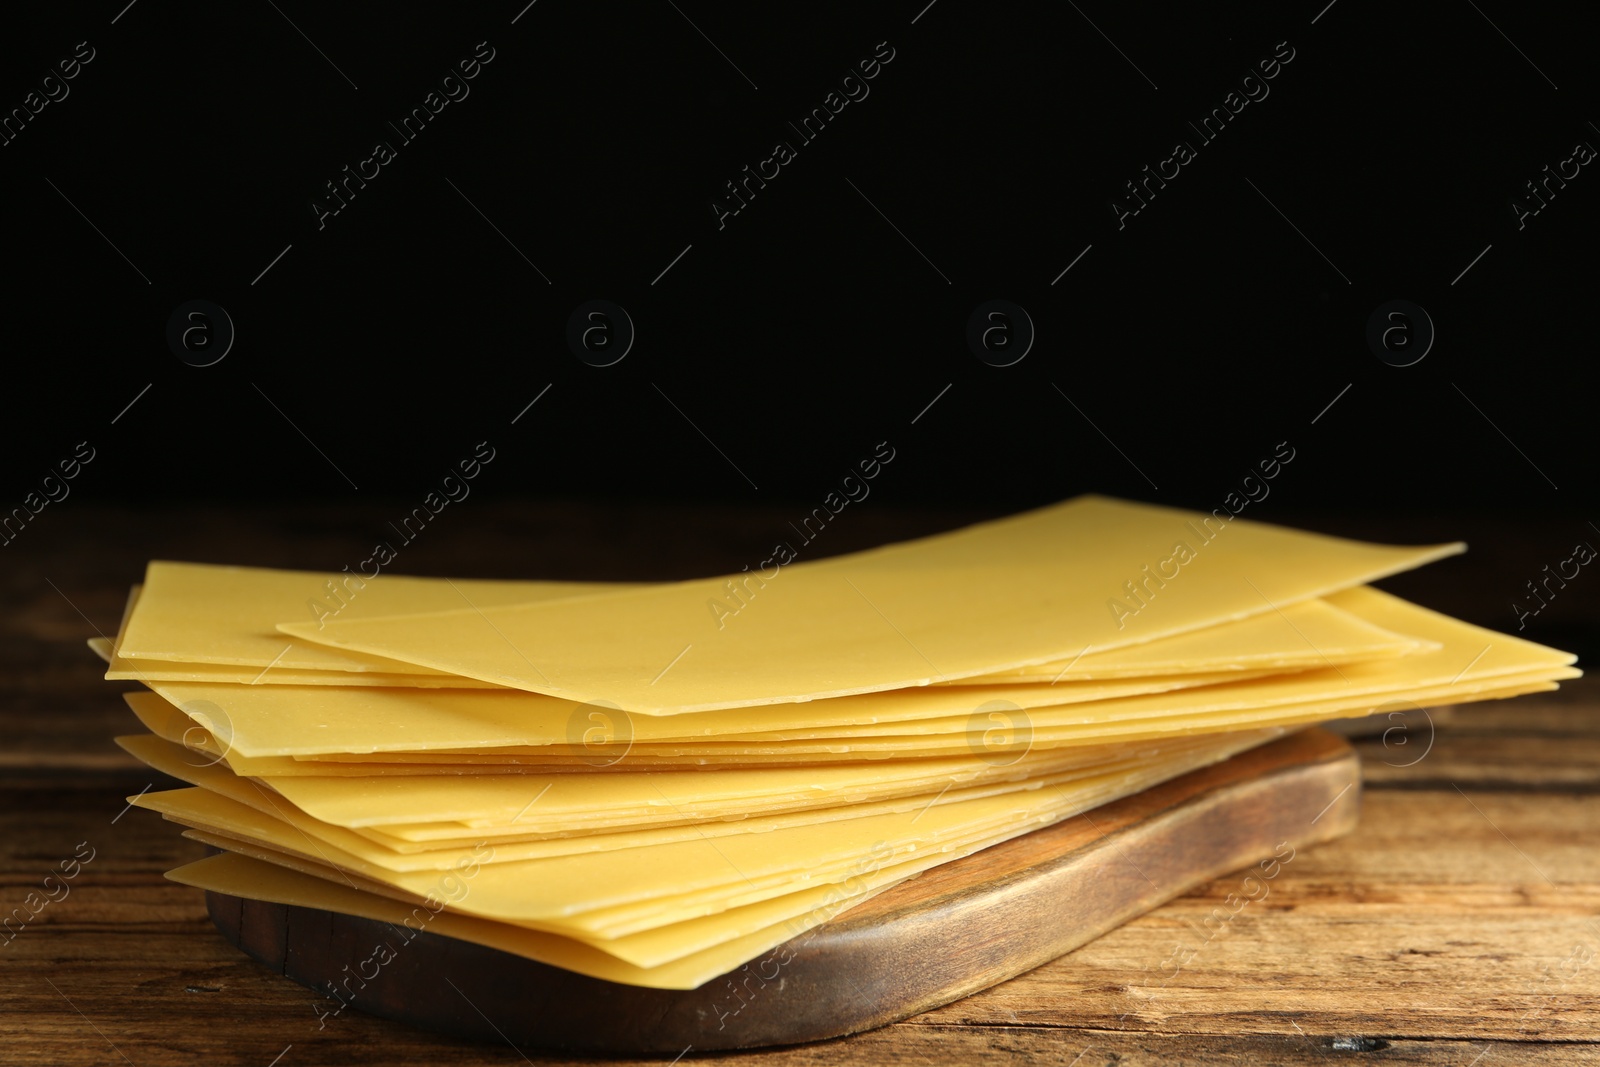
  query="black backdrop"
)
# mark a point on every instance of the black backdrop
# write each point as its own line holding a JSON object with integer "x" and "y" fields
{"x": 376, "y": 346}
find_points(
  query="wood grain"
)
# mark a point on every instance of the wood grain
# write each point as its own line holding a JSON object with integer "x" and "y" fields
{"x": 1428, "y": 936}
{"x": 957, "y": 929}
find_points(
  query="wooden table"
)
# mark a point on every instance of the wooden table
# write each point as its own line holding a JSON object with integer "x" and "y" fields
{"x": 1460, "y": 924}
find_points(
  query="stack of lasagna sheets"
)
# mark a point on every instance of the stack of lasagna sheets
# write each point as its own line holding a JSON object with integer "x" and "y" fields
{"x": 654, "y": 784}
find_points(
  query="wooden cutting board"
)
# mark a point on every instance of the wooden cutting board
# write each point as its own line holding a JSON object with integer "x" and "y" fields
{"x": 953, "y": 931}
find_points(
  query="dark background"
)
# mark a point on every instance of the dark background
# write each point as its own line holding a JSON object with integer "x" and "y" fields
{"x": 1227, "y": 316}
{"x": 825, "y": 317}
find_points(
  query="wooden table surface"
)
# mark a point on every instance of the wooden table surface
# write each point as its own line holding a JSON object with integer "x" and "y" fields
{"x": 1460, "y": 924}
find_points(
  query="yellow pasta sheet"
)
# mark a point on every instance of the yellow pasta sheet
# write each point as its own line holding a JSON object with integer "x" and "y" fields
{"x": 1452, "y": 647}
{"x": 1049, "y": 736}
{"x": 553, "y": 811}
{"x": 1310, "y": 634}
{"x": 605, "y": 894}
{"x": 202, "y": 613}
{"x": 674, "y": 961}
{"x": 1461, "y": 656}
{"x": 166, "y": 721}
{"x": 1299, "y": 636}
{"x": 624, "y": 922}
{"x": 107, "y": 649}
{"x": 1035, "y": 588}
{"x": 122, "y": 670}
{"x": 307, "y": 720}
{"x": 119, "y": 669}
{"x": 245, "y": 876}
{"x": 445, "y": 855}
